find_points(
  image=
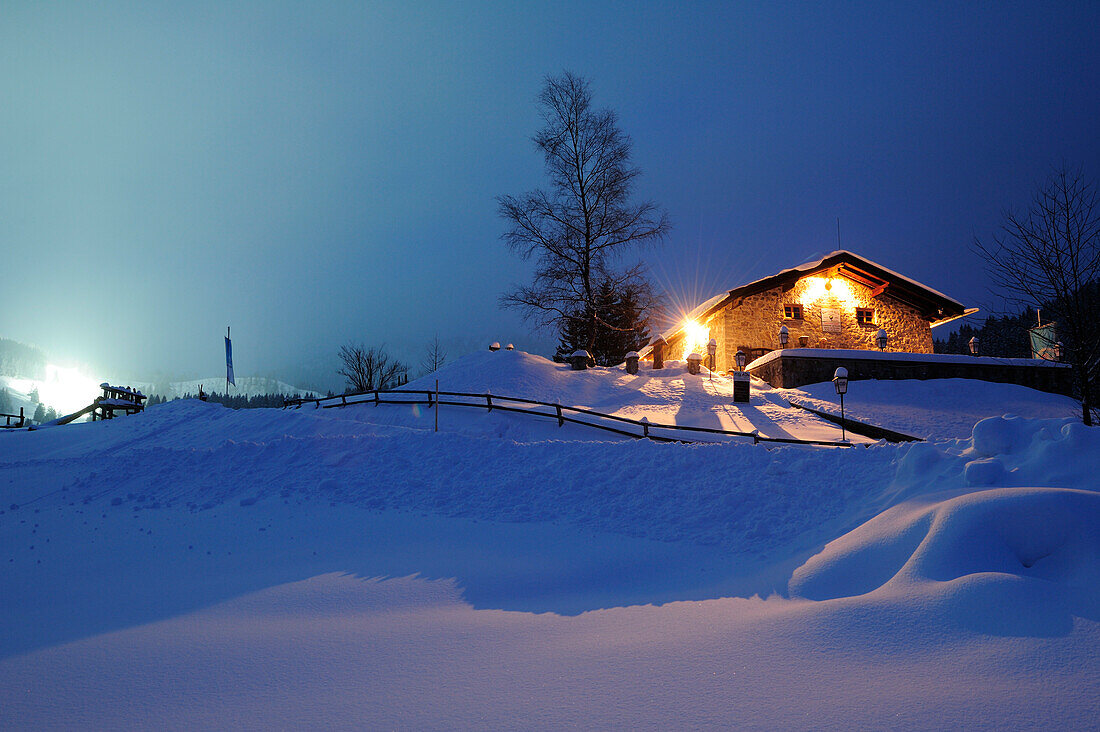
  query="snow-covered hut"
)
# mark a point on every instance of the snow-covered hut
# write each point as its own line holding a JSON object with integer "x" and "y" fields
{"x": 840, "y": 301}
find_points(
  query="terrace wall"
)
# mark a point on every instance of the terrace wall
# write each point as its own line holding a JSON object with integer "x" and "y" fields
{"x": 790, "y": 371}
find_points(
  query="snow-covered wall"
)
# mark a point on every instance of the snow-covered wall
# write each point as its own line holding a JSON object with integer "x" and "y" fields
{"x": 794, "y": 367}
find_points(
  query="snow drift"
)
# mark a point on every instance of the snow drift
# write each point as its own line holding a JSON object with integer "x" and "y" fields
{"x": 1007, "y": 560}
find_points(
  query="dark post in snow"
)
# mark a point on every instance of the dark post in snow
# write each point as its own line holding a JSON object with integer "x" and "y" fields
{"x": 695, "y": 360}
{"x": 659, "y": 352}
{"x": 632, "y": 362}
{"x": 740, "y": 379}
{"x": 579, "y": 360}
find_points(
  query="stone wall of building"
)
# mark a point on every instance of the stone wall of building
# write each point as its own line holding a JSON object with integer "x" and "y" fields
{"x": 754, "y": 321}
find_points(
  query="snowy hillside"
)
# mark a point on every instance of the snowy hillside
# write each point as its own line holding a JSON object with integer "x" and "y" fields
{"x": 352, "y": 568}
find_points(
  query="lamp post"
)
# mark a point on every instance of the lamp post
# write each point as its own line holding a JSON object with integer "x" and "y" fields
{"x": 974, "y": 346}
{"x": 882, "y": 339}
{"x": 1058, "y": 351}
{"x": 840, "y": 381}
{"x": 740, "y": 360}
{"x": 712, "y": 349}
{"x": 784, "y": 336}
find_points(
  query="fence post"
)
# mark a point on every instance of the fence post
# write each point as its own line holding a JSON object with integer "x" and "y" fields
{"x": 343, "y": 400}
{"x": 645, "y": 427}
{"x": 489, "y": 400}
{"x": 756, "y": 437}
{"x": 560, "y": 420}
{"x": 376, "y": 397}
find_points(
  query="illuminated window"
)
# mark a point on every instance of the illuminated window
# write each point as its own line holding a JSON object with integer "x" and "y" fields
{"x": 792, "y": 312}
{"x": 865, "y": 316}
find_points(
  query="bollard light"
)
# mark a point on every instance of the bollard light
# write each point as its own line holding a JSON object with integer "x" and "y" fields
{"x": 1058, "y": 351}
{"x": 881, "y": 339}
{"x": 974, "y": 346}
{"x": 840, "y": 381}
{"x": 741, "y": 358}
{"x": 784, "y": 336}
{"x": 712, "y": 350}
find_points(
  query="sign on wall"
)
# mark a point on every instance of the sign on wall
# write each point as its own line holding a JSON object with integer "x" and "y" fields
{"x": 830, "y": 320}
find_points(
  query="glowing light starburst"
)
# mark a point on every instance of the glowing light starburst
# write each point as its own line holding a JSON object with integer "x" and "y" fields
{"x": 696, "y": 337}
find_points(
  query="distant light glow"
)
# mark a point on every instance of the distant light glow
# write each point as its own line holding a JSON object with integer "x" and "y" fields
{"x": 64, "y": 389}
{"x": 67, "y": 390}
{"x": 696, "y": 337}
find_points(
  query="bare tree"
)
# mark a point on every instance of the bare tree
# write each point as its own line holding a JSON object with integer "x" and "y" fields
{"x": 368, "y": 369}
{"x": 578, "y": 228}
{"x": 435, "y": 357}
{"x": 1049, "y": 256}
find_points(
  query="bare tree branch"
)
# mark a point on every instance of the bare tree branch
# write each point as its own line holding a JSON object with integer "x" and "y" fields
{"x": 435, "y": 357}
{"x": 370, "y": 368}
{"x": 1049, "y": 257}
{"x": 585, "y": 220}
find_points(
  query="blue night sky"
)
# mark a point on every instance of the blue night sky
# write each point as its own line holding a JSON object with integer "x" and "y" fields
{"x": 316, "y": 173}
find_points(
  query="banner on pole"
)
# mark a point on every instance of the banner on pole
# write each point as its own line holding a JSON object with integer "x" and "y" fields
{"x": 229, "y": 362}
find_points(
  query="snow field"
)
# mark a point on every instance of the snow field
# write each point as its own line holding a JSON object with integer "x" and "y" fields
{"x": 193, "y": 566}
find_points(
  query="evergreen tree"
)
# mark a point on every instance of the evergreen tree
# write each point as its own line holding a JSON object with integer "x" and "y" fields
{"x": 40, "y": 413}
{"x": 1005, "y": 336}
{"x": 622, "y": 320}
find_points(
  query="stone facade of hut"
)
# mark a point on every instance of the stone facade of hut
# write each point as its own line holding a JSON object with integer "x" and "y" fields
{"x": 752, "y": 323}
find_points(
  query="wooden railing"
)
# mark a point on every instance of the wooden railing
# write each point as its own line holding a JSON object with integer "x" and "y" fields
{"x": 20, "y": 420}
{"x": 562, "y": 413}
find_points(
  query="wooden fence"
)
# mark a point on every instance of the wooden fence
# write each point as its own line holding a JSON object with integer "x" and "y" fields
{"x": 20, "y": 420}
{"x": 644, "y": 429}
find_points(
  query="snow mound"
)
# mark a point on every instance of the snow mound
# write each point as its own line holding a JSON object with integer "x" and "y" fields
{"x": 1008, "y": 561}
{"x": 518, "y": 374}
{"x": 970, "y": 533}
{"x": 1014, "y": 451}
